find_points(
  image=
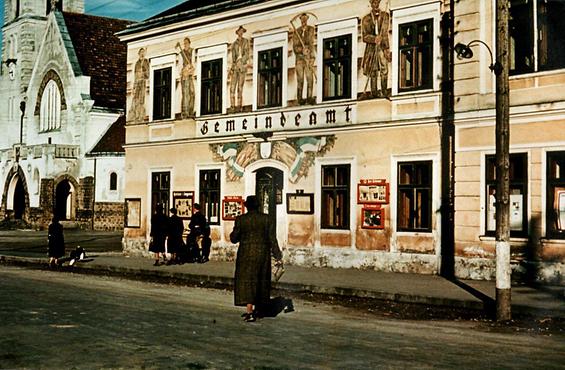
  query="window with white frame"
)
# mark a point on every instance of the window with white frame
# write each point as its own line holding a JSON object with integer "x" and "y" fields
{"x": 50, "y": 111}
{"x": 269, "y": 84}
{"x": 162, "y": 93}
{"x": 269, "y": 80}
{"x": 518, "y": 194}
{"x": 209, "y": 195}
{"x": 161, "y": 87}
{"x": 555, "y": 207}
{"x": 337, "y": 48}
{"x": 211, "y": 69}
{"x": 415, "y": 48}
{"x": 335, "y": 196}
{"x": 537, "y": 41}
{"x": 414, "y": 196}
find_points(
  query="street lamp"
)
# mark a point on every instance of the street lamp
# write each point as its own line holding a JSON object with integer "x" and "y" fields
{"x": 501, "y": 70}
{"x": 464, "y": 52}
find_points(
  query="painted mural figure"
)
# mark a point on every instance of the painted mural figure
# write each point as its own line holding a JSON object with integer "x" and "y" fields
{"x": 375, "y": 28}
{"x": 141, "y": 76}
{"x": 187, "y": 79}
{"x": 303, "y": 41}
{"x": 240, "y": 50}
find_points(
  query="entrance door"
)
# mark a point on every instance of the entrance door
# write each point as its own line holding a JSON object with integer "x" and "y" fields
{"x": 19, "y": 200}
{"x": 63, "y": 201}
{"x": 269, "y": 189}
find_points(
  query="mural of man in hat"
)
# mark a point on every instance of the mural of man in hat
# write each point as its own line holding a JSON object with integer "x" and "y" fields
{"x": 240, "y": 50}
{"x": 375, "y": 27}
{"x": 303, "y": 41}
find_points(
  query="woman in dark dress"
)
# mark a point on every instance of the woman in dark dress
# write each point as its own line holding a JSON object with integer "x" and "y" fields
{"x": 257, "y": 241}
{"x": 174, "y": 242}
{"x": 56, "y": 242}
{"x": 158, "y": 233}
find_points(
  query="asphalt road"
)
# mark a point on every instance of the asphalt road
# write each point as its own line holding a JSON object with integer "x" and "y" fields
{"x": 60, "y": 321}
{"x": 31, "y": 243}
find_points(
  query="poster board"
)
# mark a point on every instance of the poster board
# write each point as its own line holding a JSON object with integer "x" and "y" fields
{"x": 232, "y": 206}
{"x": 183, "y": 201}
{"x": 372, "y": 191}
{"x": 133, "y": 213}
{"x": 372, "y": 217}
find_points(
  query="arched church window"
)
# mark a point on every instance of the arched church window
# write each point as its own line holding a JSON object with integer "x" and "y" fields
{"x": 113, "y": 181}
{"x": 50, "y": 113}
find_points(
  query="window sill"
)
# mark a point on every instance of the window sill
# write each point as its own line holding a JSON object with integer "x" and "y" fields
{"x": 545, "y": 241}
{"x": 414, "y": 94}
{"x": 160, "y": 121}
{"x": 537, "y": 74}
{"x": 414, "y": 233}
{"x": 335, "y": 231}
{"x": 513, "y": 239}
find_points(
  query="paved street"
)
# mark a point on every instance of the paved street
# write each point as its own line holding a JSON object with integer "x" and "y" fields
{"x": 31, "y": 243}
{"x": 54, "y": 320}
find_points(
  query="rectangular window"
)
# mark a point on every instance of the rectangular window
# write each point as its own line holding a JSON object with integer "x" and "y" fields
{"x": 160, "y": 190}
{"x": 518, "y": 194}
{"x": 555, "y": 216}
{"x": 337, "y": 67}
{"x": 415, "y": 196}
{"x": 269, "y": 87}
{"x": 209, "y": 196}
{"x": 162, "y": 93}
{"x": 415, "y": 55}
{"x": 211, "y": 91}
{"x": 538, "y": 49}
{"x": 335, "y": 196}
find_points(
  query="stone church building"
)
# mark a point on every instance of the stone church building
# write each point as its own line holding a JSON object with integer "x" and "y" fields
{"x": 62, "y": 100}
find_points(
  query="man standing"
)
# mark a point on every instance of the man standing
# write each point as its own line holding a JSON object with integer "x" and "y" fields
{"x": 199, "y": 234}
{"x": 187, "y": 79}
{"x": 303, "y": 40}
{"x": 375, "y": 27}
{"x": 240, "y": 56}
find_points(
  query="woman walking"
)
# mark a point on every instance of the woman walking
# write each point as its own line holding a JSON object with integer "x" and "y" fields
{"x": 257, "y": 241}
{"x": 158, "y": 233}
{"x": 56, "y": 241}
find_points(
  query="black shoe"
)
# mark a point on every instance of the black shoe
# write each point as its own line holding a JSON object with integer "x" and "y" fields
{"x": 203, "y": 260}
{"x": 249, "y": 317}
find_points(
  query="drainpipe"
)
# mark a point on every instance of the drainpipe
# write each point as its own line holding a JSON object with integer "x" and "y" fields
{"x": 94, "y": 194}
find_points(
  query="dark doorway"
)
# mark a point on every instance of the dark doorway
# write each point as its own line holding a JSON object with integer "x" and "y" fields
{"x": 19, "y": 200}
{"x": 269, "y": 190}
{"x": 61, "y": 200}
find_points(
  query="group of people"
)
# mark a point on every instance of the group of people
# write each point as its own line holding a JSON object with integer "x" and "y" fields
{"x": 167, "y": 236}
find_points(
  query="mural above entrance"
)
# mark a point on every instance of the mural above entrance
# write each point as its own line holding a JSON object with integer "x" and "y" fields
{"x": 297, "y": 154}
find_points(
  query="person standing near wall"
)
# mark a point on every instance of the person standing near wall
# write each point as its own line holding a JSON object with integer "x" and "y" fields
{"x": 257, "y": 240}
{"x": 199, "y": 234}
{"x": 174, "y": 241}
{"x": 56, "y": 240}
{"x": 158, "y": 233}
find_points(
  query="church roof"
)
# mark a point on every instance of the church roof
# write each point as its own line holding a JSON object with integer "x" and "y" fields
{"x": 112, "y": 141}
{"x": 95, "y": 51}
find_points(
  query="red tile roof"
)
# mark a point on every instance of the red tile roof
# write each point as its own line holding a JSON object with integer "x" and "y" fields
{"x": 113, "y": 140}
{"x": 101, "y": 56}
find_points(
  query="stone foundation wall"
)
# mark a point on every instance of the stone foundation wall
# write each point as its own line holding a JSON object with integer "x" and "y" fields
{"x": 109, "y": 216}
{"x": 465, "y": 268}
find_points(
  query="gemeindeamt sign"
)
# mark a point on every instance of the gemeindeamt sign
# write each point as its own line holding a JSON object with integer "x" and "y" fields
{"x": 282, "y": 120}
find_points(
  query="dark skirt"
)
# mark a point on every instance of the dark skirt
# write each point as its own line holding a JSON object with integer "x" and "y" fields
{"x": 158, "y": 245}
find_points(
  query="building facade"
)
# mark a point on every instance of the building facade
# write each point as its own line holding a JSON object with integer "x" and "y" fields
{"x": 62, "y": 92}
{"x": 348, "y": 119}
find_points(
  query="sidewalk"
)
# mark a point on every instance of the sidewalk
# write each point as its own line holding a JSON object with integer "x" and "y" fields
{"x": 399, "y": 287}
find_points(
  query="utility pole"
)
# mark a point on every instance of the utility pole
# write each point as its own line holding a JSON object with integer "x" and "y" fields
{"x": 503, "y": 270}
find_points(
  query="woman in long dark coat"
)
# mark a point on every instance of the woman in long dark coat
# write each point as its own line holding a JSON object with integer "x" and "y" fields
{"x": 174, "y": 242}
{"x": 56, "y": 242}
{"x": 257, "y": 240}
{"x": 158, "y": 233}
